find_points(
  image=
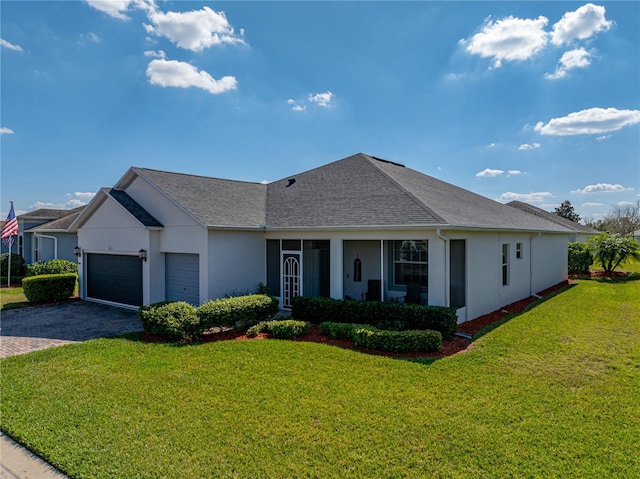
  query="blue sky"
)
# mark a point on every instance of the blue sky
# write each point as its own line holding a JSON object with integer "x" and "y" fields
{"x": 535, "y": 101}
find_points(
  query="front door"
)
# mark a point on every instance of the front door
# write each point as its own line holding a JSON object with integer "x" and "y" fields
{"x": 291, "y": 274}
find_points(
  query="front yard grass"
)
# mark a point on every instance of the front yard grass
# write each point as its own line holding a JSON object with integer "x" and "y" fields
{"x": 550, "y": 393}
{"x": 12, "y": 297}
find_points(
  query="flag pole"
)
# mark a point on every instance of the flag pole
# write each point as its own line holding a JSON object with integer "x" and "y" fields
{"x": 9, "y": 261}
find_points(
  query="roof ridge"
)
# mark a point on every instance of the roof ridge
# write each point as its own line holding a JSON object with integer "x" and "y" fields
{"x": 371, "y": 160}
{"x": 197, "y": 176}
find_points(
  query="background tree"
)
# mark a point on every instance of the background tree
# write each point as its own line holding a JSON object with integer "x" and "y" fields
{"x": 611, "y": 250}
{"x": 622, "y": 219}
{"x": 566, "y": 211}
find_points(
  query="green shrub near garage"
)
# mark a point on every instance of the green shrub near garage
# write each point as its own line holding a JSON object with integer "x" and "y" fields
{"x": 54, "y": 266}
{"x": 17, "y": 265}
{"x": 173, "y": 320}
{"x": 239, "y": 312}
{"x": 49, "y": 287}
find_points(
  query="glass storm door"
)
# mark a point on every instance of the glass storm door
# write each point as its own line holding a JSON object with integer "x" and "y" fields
{"x": 291, "y": 286}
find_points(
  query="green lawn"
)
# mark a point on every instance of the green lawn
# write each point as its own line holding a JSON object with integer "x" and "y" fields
{"x": 551, "y": 393}
{"x": 12, "y": 297}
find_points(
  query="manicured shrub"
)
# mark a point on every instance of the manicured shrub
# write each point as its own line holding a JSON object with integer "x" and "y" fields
{"x": 398, "y": 341}
{"x": 261, "y": 327}
{"x": 339, "y": 330}
{"x": 54, "y": 266}
{"x": 49, "y": 287}
{"x": 382, "y": 315}
{"x": 288, "y": 328}
{"x": 17, "y": 265}
{"x": 238, "y": 312}
{"x": 580, "y": 258}
{"x": 172, "y": 320}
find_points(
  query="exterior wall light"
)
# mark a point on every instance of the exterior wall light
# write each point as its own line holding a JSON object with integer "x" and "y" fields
{"x": 77, "y": 251}
{"x": 142, "y": 254}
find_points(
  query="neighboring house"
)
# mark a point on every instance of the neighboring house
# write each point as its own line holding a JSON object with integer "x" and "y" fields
{"x": 51, "y": 240}
{"x": 581, "y": 233}
{"x": 358, "y": 225}
{"x": 43, "y": 235}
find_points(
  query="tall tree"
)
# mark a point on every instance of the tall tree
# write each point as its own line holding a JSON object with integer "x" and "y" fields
{"x": 566, "y": 211}
{"x": 624, "y": 219}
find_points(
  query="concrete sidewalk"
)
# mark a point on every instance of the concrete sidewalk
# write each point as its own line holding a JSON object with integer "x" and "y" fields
{"x": 33, "y": 328}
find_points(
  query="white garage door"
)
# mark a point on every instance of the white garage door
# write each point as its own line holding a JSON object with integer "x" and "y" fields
{"x": 182, "y": 277}
{"x": 114, "y": 278}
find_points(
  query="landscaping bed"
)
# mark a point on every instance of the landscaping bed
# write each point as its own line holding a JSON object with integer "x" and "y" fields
{"x": 449, "y": 347}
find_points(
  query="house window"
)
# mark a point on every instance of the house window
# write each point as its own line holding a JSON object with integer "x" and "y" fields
{"x": 518, "y": 250}
{"x": 410, "y": 262}
{"x": 505, "y": 265}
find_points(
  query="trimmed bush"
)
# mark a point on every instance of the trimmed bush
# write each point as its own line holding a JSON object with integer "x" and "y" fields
{"x": 280, "y": 329}
{"x": 238, "y": 312}
{"x": 288, "y": 328}
{"x": 339, "y": 330}
{"x": 17, "y": 265}
{"x": 172, "y": 320}
{"x": 49, "y": 287}
{"x": 580, "y": 258}
{"x": 398, "y": 341}
{"x": 54, "y": 266}
{"x": 382, "y": 315}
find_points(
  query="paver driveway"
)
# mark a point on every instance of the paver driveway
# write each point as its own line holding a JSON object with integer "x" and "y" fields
{"x": 32, "y": 328}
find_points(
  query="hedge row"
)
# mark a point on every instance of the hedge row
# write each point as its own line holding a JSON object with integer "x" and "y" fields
{"x": 54, "y": 266}
{"x": 280, "y": 329}
{"x": 384, "y": 340}
{"x": 580, "y": 258}
{"x": 387, "y": 316}
{"x": 180, "y": 320}
{"x": 49, "y": 287}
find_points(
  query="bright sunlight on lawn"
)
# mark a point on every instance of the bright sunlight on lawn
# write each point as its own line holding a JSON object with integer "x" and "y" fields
{"x": 551, "y": 393}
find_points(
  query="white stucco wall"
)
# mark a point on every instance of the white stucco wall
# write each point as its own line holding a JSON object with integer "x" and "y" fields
{"x": 236, "y": 263}
{"x": 549, "y": 261}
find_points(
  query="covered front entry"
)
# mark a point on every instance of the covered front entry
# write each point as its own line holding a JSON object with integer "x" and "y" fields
{"x": 298, "y": 268}
{"x": 115, "y": 278}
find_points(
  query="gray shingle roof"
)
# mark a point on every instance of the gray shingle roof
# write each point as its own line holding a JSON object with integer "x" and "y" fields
{"x": 60, "y": 224}
{"x": 358, "y": 191}
{"x": 534, "y": 210}
{"x": 213, "y": 201}
{"x": 45, "y": 213}
{"x": 133, "y": 207}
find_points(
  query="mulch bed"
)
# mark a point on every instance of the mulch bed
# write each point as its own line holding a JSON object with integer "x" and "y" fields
{"x": 449, "y": 348}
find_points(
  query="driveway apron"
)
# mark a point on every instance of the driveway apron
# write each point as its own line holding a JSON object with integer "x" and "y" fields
{"x": 32, "y": 328}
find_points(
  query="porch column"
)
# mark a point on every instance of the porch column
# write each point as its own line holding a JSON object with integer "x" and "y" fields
{"x": 336, "y": 255}
{"x": 382, "y": 282}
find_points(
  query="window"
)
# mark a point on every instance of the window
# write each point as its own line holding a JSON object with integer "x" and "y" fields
{"x": 518, "y": 250}
{"x": 505, "y": 265}
{"x": 410, "y": 262}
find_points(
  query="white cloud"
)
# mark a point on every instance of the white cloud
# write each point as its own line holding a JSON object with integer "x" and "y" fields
{"x": 6, "y": 131}
{"x": 10, "y": 46}
{"x": 589, "y": 122}
{"x": 295, "y": 106}
{"x": 322, "y": 99}
{"x": 492, "y": 145}
{"x": 527, "y": 146}
{"x": 509, "y": 39}
{"x": 602, "y": 188}
{"x": 525, "y": 197}
{"x": 515, "y": 172}
{"x": 604, "y": 137}
{"x": 586, "y": 21}
{"x": 115, "y": 8}
{"x": 89, "y": 38}
{"x": 489, "y": 173}
{"x": 172, "y": 73}
{"x": 193, "y": 30}
{"x": 155, "y": 54}
{"x": 578, "y": 58}
{"x": 81, "y": 195}
{"x": 591, "y": 205}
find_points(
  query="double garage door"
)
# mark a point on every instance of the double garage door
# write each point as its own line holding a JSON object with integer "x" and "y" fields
{"x": 115, "y": 278}
{"x": 118, "y": 278}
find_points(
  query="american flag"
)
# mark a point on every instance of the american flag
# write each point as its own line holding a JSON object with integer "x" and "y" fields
{"x": 10, "y": 227}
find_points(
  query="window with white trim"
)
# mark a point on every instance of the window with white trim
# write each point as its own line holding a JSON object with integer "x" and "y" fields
{"x": 519, "y": 254}
{"x": 410, "y": 262}
{"x": 505, "y": 264}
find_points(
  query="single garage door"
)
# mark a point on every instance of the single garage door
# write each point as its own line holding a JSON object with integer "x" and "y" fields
{"x": 115, "y": 278}
{"x": 182, "y": 277}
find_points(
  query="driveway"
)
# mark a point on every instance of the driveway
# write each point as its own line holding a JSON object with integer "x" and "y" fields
{"x": 32, "y": 328}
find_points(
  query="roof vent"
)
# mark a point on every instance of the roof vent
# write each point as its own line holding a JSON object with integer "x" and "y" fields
{"x": 291, "y": 181}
